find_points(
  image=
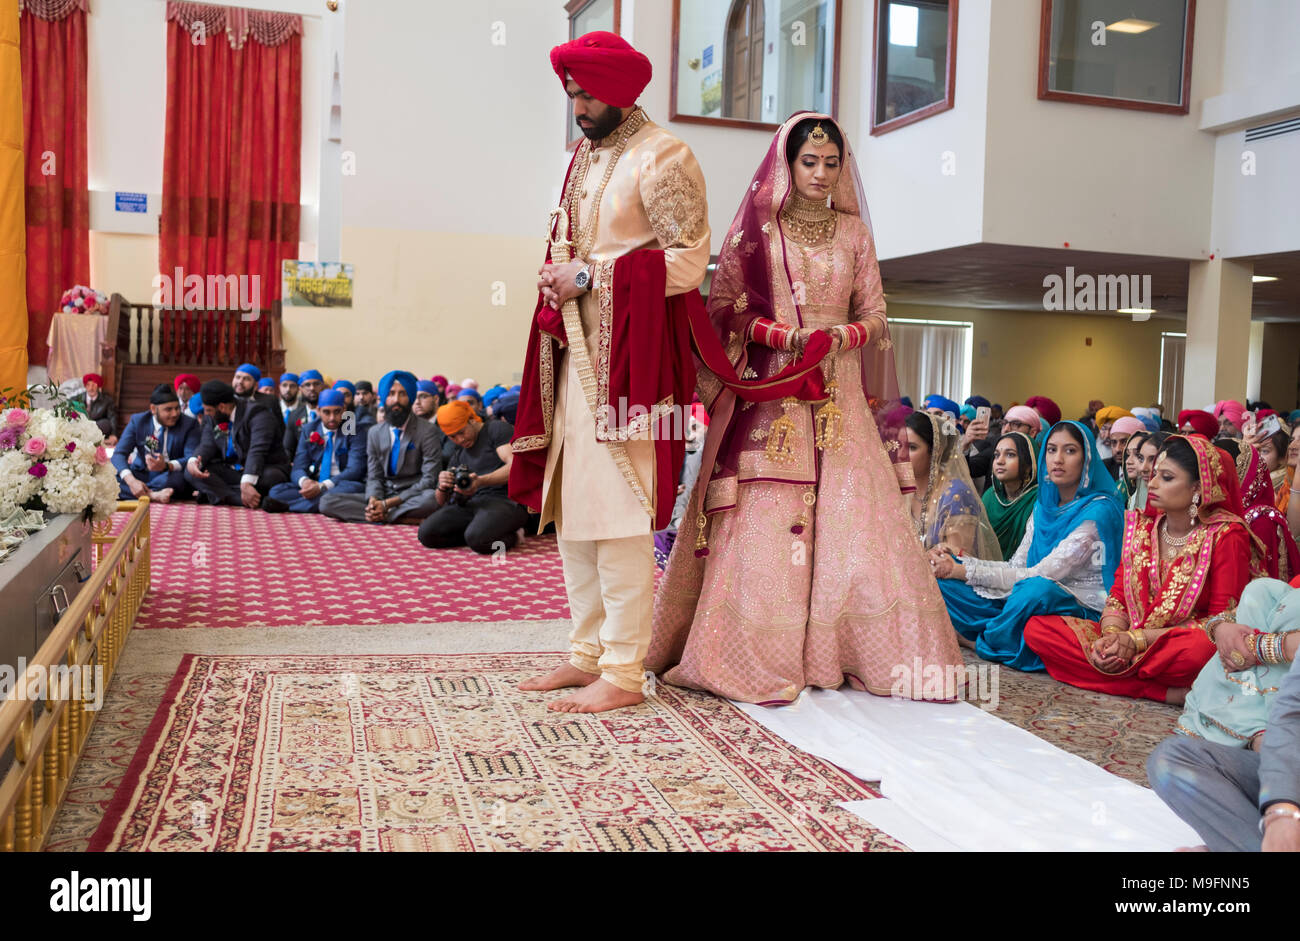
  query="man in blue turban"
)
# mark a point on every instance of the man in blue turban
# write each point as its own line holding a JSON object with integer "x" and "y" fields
{"x": 328, "y": 460}
{"x": 245, "y": 380}
{"x": 310, "y": 385}
{"x": 937, "y": 404}
{"x": 427, "y": 399}
{"x": 404, "y": 458}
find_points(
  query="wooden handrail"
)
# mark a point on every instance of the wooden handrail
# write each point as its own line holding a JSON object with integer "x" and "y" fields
{"x": 91, "y": 631}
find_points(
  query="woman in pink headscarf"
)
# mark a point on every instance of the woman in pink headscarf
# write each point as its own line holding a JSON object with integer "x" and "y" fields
{"x": 1231, "y": 417}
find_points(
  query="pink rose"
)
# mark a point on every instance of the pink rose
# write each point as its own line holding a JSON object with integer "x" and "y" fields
{"x": 35, "y": 446}
{"x": 37, "y": 470}
{"x": 101, "y": 456}
{"x": 71, "y": 446}
{"x": 17, "y": 416}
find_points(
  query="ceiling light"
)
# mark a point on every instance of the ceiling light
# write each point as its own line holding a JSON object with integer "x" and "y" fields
{"x": 1132, "y": 25}
{"x": 1136, "y": 310}
{"x": 1257, "y": 278}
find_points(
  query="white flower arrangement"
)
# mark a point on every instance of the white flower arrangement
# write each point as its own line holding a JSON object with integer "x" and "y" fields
{"x": 54, "y": 459}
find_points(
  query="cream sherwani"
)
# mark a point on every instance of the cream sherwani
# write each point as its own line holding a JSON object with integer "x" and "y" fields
{"x": 653, "y": 198}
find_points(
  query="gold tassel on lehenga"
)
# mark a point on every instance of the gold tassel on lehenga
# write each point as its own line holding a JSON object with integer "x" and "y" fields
{"x": 804, "y": 521}
{"x": 782, "y": 433}
{"x": 701, "y": 536}
{"x": 828, "y": 422}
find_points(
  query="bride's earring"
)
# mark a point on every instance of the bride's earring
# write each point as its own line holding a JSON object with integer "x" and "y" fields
{"x": 1192, "y": 510}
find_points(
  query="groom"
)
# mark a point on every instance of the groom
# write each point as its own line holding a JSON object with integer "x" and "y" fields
{"x": 639, "y": 228}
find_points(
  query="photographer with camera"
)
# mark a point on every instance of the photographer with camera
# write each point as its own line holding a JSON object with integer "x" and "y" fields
{"x": 473, "y": 508}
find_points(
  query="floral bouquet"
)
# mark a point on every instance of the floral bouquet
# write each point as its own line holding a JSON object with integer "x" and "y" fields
{"x": 83, "y": 300}
{"x": 54, "y": 459}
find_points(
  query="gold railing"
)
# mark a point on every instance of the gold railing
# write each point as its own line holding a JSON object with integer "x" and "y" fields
{"x": 88, "y": 639}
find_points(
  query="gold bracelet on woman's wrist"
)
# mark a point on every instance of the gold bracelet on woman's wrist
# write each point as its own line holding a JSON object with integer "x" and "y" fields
{"x": 1139, "y": 640}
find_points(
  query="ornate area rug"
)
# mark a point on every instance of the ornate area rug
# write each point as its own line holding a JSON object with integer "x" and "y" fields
{"x": 218, "y": 566}
{"x": 441, "y": 752}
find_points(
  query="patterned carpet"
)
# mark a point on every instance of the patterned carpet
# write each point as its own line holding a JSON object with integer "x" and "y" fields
{"x": 442, "y": 753}
{"x": 253, "y": 569}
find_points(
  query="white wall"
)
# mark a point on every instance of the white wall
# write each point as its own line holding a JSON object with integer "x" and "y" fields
{"x": 916, "y": 206}
{"x": 1100, "y": 178}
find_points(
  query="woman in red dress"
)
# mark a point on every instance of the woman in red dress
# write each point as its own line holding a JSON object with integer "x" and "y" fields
{"x": 1185, "y": 559}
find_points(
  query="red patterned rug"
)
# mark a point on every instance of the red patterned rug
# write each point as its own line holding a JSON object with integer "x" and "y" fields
{"x": 443, "y": 753}
{"x": 232, "y": 567}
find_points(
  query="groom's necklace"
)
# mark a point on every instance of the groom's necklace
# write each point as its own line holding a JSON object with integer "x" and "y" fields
{"x": 577, "y": 188}
{"x": 808, "y": 222}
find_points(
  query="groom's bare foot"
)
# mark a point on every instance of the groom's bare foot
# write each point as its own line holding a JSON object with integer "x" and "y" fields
{"x": 560, "y": 678}
{"x": 600, "y": 696}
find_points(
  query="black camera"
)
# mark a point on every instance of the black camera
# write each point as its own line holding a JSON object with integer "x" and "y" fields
{"x": 463, "y": 476}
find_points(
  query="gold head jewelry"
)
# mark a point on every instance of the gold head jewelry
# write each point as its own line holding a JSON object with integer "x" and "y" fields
{"x": 818, "y": 136}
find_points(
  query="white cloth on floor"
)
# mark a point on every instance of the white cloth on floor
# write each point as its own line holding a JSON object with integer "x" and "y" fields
{"x": 956, "y": 777}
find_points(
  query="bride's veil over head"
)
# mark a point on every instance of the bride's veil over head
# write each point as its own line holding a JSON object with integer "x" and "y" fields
{"x": 753, "y": 279}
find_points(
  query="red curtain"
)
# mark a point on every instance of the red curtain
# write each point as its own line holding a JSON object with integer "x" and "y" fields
{"x": 52, "y": 37}
{"x": 231, "y": 168}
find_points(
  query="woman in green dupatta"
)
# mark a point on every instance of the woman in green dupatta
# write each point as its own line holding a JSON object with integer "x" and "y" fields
{"x": 1130, "y": 471}
{"x": 1010, "y": 501}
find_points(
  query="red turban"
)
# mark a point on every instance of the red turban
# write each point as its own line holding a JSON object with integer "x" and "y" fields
{"x": 606, "y": 67}
{"x": 1044, "y": 406}
{"x": 1203, "y": 423}
{"x": 186, "y": 379}
{"x": 94, "y": 377}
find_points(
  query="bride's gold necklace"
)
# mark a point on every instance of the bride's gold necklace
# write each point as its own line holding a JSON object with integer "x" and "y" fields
{"x": 807, "y": 221}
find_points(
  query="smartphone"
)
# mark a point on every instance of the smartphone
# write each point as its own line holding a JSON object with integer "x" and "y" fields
{"x": 1272, "y": 425}
{"x": 982, "y": 413}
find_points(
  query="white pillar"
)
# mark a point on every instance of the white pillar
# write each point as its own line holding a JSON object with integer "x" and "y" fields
{"x": 1218, "y": 332}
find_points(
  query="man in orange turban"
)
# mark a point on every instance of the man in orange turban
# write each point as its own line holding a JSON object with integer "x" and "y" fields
{"x": 473, "y": 507}
{"x": 635, "y": 203}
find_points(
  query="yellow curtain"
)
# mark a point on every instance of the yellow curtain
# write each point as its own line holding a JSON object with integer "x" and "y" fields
{"x": 13, "y": 235}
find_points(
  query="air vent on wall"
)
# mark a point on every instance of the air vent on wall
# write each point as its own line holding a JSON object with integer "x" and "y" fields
{"x": 1273, "y": 130}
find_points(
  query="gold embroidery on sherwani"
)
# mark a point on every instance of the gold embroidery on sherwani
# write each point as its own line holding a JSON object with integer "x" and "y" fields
{"x": 617, "y": 141}
{"x": 581, "y": 358}
{"x": 547, "y": 369}
{"x": 604, "y": 351}
{"x": 675, "y": 207}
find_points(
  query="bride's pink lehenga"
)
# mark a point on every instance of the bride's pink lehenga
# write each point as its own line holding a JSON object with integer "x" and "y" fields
{"x": 768, "y": 610}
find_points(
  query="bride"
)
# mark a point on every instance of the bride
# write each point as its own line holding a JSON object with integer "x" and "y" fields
{"x": 796, "y": 564}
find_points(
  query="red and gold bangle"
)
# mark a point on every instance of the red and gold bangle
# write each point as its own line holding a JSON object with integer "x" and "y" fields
{"x": 769, "y": 333}
{"x": 854, "y": 335}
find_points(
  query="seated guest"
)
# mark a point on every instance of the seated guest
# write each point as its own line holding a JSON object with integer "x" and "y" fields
{"x": 426, "y": 399}
{"x": 1239, "y": 754}
{"x": 1105, "y": 418}
{"x": 1266, "y": 521}
{"x": 1011, "y": 499}
{"x": 1089, "y": 418}
{"x": 1023, "y": 419}
{"x": 327, "y": 460}
{"x": 310, "y": 386}
{"x": 473, "y": 400}
{"x": 1064, "y": 565}
{"x": 288, "y": 395}
{"x": 187, "y": 391}
{"x": 974, "y": 444}
{"x": 945, "y": 507}
{"x": 478, "y": 515}
{"x": 366, "y": 399}
{"x": 1196, "y": 421}
{"x": 241, "y": 456}
{"x": 404, "y": 458}
{"x": 1048, "y": 410}
{"x": 507, "y": 406}
{"x": 1186, "y": 558}
{"x": 1118, "y": 433}
{"x": 99, "y": 406}
{"x": 163, "y": 439}
{"x": 490, "y": 397}
{"x": 266, "y": 386}
{"x": 245, "y": 380}
{"x": 1149, "y": 418}
{"x": 1131, "y": 482}
{"x": 349, "y": 395}
{"x": 1273, "y": 452}
{"x": 1230, "y": 416}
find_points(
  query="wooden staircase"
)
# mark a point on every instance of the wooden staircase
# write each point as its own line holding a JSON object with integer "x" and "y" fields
{"x": 145, "y": 346}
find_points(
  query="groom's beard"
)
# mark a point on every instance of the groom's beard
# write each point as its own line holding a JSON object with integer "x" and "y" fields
{"x": 599, "y": 130}
{"x": 396, "y": 415}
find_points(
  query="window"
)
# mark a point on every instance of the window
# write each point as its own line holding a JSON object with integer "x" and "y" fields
{"x": 1173, "y": 356}
{"x": 586, "y": 16}
{"x": 1117, "y": 53}
{"x": 914, "y": 61}
{"x": 933, "y": 356}
{"x": 753, "y": 63}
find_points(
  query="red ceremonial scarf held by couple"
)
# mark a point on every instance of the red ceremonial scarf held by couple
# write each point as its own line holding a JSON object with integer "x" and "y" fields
{"x": 649, "y": 362}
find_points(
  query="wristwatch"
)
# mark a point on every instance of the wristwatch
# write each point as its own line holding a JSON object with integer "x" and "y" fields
{"x": 583, "y": 279}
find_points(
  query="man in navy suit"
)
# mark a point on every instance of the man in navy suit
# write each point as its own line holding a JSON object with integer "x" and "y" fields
{"x": 310, "y": 385}
{"x": 327, "y": 460}
{"x": 240, "y": 457}
{"x": 163, "y": 439}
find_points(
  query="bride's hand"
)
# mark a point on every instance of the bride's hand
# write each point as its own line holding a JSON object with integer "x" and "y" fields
{"x": 800, "y": 339}
{"x": 836, "y": 338}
